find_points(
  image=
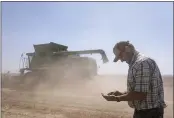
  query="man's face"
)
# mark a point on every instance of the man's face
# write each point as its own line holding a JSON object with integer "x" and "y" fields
{"x": 123, "y": 56}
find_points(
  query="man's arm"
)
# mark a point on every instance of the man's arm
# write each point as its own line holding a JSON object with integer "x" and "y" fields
{"x": 130, "y": 96}
{"x": 125, "y": 97}
{"x": 141, "y": 85}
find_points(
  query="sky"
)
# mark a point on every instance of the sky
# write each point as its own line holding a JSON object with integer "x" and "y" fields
{"x": 89, "y": 25}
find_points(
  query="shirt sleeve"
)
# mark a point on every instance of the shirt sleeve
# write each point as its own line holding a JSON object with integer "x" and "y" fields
{"x": 142, "y": 77}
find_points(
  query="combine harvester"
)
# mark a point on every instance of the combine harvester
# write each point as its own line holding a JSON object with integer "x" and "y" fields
{"x": 52, "y": 63}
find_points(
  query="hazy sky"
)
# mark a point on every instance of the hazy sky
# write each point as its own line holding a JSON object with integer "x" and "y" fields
{"x": 89, "y": 25}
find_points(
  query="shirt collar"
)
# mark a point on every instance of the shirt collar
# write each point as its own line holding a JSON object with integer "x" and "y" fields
{"x": 134, "y": 58}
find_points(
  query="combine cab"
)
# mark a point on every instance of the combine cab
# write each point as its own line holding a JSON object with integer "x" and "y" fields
{"x": 53, "y": 61}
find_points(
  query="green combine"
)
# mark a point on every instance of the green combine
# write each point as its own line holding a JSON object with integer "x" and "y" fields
{"x": 53, "y": 61}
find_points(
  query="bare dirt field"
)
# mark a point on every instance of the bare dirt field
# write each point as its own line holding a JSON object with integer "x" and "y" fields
{"x": 83, "y": 101}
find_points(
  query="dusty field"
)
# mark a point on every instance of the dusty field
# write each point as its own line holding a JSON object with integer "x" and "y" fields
{"x": 82, "y": 102}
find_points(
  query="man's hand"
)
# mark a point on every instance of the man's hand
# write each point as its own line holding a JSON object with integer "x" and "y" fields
{"x": 111, "y": 97}
{"x": 116, "y": 93}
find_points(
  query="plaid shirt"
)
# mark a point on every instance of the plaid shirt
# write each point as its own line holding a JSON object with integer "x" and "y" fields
{"x": 144, "y": 76}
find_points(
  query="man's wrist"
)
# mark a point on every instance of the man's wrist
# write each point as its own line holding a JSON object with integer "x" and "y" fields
{"x": 123, "y": 97}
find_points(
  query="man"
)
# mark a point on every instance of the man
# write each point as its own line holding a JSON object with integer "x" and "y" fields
{"x": 144, "y": 83}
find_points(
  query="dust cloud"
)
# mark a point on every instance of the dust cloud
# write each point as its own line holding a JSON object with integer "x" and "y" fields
{"x": 64, "y": 81}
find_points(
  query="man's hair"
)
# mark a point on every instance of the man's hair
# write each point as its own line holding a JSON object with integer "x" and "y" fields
{"x": 122, "y": 44}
